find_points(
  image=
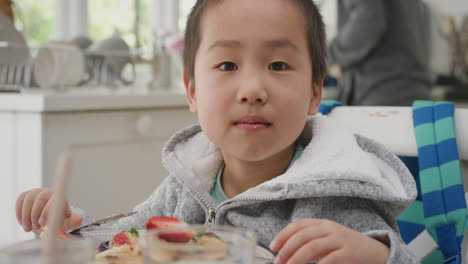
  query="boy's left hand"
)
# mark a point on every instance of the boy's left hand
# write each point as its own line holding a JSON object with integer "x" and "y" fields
{"x": 325, "y": 241}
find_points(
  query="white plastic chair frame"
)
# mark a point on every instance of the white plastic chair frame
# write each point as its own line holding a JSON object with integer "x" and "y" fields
{"x": 393, "y": 127}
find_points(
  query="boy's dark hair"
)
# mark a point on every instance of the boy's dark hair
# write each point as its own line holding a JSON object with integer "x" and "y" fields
{"x": 315, "y": 30}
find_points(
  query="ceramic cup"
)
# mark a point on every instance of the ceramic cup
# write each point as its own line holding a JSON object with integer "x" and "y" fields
{"x": 59, "y": 65}
{"x": 107, "y": 59}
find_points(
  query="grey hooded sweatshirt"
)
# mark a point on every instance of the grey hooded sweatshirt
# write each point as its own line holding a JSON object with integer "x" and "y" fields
{"x": 343, "y": 177}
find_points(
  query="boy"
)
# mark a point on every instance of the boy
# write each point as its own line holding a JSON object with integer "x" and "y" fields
{"x": 310, "y": 189}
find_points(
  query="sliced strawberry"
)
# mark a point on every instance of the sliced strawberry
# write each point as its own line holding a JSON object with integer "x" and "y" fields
{"x": 129, "y": 238}
{"x": 64, "y": 235}
{"x": 177, "y": 236}
{"x": 120, "y": 239}
{"x": 157, "y": 222}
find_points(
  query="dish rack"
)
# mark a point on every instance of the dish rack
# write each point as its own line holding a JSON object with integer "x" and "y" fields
{"x": 15, "y": 67}
{"x": 22, "y": 68}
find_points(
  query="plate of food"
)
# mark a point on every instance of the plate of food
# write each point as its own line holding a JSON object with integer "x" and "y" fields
{"x": 170, "y": 240}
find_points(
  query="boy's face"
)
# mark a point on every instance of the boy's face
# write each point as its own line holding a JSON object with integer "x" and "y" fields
{"x": 253, "y": 88}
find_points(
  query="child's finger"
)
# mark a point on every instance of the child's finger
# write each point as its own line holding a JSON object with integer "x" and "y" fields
{"x": 315, "y": 250}
{"x": 299, "y": 239}
{"x": 38, "y": 206}
{"x": 27, "y": 207}
{"x": 44, "y": 214}
{"x": 288, "y": 231}
{"x": 67, "y": 213}
{"x": 19, "y": 207}
{"x": 72, "y": 222}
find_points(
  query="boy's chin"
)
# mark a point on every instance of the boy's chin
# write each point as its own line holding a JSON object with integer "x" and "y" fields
{"x": 249, "y": 156}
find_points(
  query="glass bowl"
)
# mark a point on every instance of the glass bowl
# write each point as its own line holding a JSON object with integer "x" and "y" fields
{"x": 199, "y": 244}
{"x": 75, "y": 251}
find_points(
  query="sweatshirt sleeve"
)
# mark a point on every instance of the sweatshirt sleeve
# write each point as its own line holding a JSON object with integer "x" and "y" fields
{"x": 360, "y": 34}
{"x": 370, "y": 218}
{"x": 399, "y": 252}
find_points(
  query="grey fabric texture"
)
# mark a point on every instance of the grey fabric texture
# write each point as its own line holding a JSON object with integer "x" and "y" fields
{"x": 346, "y": 182}
{"x": 383, "y": 49}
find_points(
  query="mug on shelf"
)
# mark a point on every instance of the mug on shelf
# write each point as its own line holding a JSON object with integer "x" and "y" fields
{"x": 59, "y": 65}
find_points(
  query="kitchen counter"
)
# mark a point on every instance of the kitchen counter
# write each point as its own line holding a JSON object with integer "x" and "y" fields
{"x": 88, "y": 99}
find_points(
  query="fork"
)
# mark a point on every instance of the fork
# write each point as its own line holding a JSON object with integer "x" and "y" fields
{"x": 102, "y": 221}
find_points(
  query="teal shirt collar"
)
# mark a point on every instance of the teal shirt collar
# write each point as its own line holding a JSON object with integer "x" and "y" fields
{"x": 217, "y": 190}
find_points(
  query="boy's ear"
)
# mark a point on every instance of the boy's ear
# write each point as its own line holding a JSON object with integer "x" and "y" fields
{"x": 315, "y": 98}
{"x": 190, "y": 92}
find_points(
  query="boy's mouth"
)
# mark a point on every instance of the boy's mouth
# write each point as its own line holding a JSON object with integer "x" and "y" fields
{"x": 252, "y": 123}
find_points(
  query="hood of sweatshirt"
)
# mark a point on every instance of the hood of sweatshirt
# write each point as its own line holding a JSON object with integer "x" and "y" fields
{"x": 335, "y": 163}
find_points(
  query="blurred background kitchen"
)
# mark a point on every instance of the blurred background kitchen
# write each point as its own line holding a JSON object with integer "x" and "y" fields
{"x": 102, "y": 79}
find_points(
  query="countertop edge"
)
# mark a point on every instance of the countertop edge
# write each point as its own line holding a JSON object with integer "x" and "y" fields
{"x": 99, "y": 101}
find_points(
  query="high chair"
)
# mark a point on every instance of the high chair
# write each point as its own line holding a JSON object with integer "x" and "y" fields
{"x": 394, "y": 127}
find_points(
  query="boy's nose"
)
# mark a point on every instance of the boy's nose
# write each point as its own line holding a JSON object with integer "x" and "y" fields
{"x": 253, "y": 92}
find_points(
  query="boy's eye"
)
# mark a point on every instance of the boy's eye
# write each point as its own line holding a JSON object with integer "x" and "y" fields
{"x": 278, "y": 66}
{"x": 227, "y": 66}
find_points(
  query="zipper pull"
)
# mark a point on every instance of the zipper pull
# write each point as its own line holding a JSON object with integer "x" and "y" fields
{"x": 211, "y": 217}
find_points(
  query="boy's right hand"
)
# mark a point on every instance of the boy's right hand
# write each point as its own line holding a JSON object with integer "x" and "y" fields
{"x": 32, "y": 209}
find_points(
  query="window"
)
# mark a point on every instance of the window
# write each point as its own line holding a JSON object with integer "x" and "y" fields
{"x": 35, "y": 20}
{"x": 109, "y": 16}
{"x": 41, "y": 21}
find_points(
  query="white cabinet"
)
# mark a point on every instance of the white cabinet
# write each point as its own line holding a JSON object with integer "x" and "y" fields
{"x": 115, "y": 143}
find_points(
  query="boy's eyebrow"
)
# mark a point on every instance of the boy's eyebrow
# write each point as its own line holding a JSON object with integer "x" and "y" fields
{"x": 279, "y": 43}
{"x": 225, "y": 43}
{"x": 275, "y": 43}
